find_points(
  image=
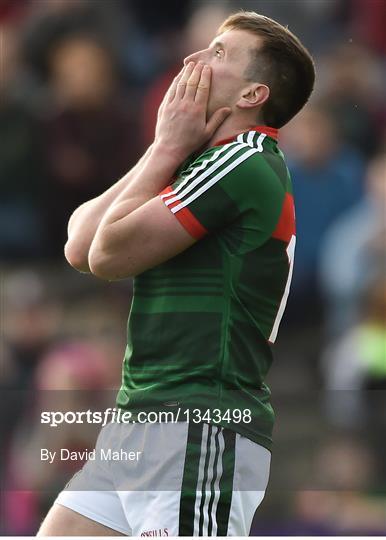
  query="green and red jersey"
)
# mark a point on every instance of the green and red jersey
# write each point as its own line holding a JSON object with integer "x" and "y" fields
{"x": 202, "y": 324}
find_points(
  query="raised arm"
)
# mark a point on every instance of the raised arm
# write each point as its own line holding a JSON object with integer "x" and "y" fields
{"x": 138, "y": 231}
{"x": 85, "y": 220}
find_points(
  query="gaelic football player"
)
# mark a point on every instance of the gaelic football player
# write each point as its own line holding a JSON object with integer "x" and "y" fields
{"x": 205, "y": 222}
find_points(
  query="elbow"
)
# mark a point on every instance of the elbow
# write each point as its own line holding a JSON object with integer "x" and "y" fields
{"x": 100, "y": 265}
{"x": 109, "y": 259}
{"x": 99, "y": 260}
{"x": 108, "y": 267}
{"x": 76, "y": 257}
{"x": 105, "y": 265}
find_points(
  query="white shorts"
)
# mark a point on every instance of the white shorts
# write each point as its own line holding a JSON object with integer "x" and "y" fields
{"x": 171, "y": 479}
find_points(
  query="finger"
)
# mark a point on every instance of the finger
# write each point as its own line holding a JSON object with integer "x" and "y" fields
{"x": 193, "y": 81}
{"x": 217, "y": 119}
{"x": 181, "y": 85}
{"x": 202, "y": 93}
{"x": 171, "y": 92}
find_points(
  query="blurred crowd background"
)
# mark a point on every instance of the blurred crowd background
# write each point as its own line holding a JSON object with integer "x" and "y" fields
{"x": 80, "y": 85}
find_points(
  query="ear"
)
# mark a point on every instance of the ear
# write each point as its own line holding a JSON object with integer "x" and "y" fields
{"x": 254, "y": 95}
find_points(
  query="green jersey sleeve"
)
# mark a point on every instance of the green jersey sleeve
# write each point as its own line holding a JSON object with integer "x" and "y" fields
{"x": 227, "y": 184}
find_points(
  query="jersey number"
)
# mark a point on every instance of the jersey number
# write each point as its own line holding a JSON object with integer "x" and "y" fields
{"x": 290, "y": 254}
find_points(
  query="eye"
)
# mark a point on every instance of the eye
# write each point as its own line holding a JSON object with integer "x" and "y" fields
{"x": 218, "y": 53}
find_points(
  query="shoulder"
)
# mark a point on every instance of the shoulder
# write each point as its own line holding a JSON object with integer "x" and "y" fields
{"x": 249, "y": 166}
{"x": 238, "y": 155}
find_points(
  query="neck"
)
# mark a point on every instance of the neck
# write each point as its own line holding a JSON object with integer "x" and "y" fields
{"x": 230, "y": 127}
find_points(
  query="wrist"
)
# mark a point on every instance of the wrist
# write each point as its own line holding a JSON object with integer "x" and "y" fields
{"x": 174, "y": 155}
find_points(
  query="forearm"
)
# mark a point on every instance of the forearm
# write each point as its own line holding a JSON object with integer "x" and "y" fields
{"x": 85, "y": 220}
{"x": 115, "y": 232}
{"x": 138, "y": 232}
{"x": 146, "y": 182}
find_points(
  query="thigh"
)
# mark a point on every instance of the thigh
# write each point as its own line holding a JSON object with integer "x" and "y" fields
{"x": 62, "y": 521}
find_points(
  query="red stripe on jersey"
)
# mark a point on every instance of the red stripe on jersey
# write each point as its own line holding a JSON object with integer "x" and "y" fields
{"x": 270, "y": 131}
{"x": 168, "y": 189}
{"x": 185, "y": 217}
{"x": 190, "y": 223}
{"x": 285, "y": 227}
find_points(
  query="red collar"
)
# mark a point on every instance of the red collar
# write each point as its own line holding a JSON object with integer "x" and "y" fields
{"x": 270, "y": 131}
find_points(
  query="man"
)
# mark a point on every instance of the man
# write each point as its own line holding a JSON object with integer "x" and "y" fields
{"x": 205, "y": 221}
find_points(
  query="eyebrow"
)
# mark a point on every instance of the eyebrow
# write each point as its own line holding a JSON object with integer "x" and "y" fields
{"x": 218, "y": 44}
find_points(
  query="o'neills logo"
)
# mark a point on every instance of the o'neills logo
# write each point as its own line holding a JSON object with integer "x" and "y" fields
{"x": 156, "y": 532}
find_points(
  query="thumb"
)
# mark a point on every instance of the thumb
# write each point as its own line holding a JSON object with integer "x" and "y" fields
{"x": 217, "y": 119}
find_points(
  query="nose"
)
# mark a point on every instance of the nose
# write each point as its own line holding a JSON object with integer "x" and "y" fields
{"x": 194, "y": 57}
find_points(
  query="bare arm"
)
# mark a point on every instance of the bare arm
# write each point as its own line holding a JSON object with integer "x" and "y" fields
{"x": 138, "y": 232}
{"x": 84, "y": 222}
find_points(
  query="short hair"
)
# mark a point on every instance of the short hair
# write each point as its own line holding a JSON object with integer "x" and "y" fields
{"x": 282, "y": 63}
